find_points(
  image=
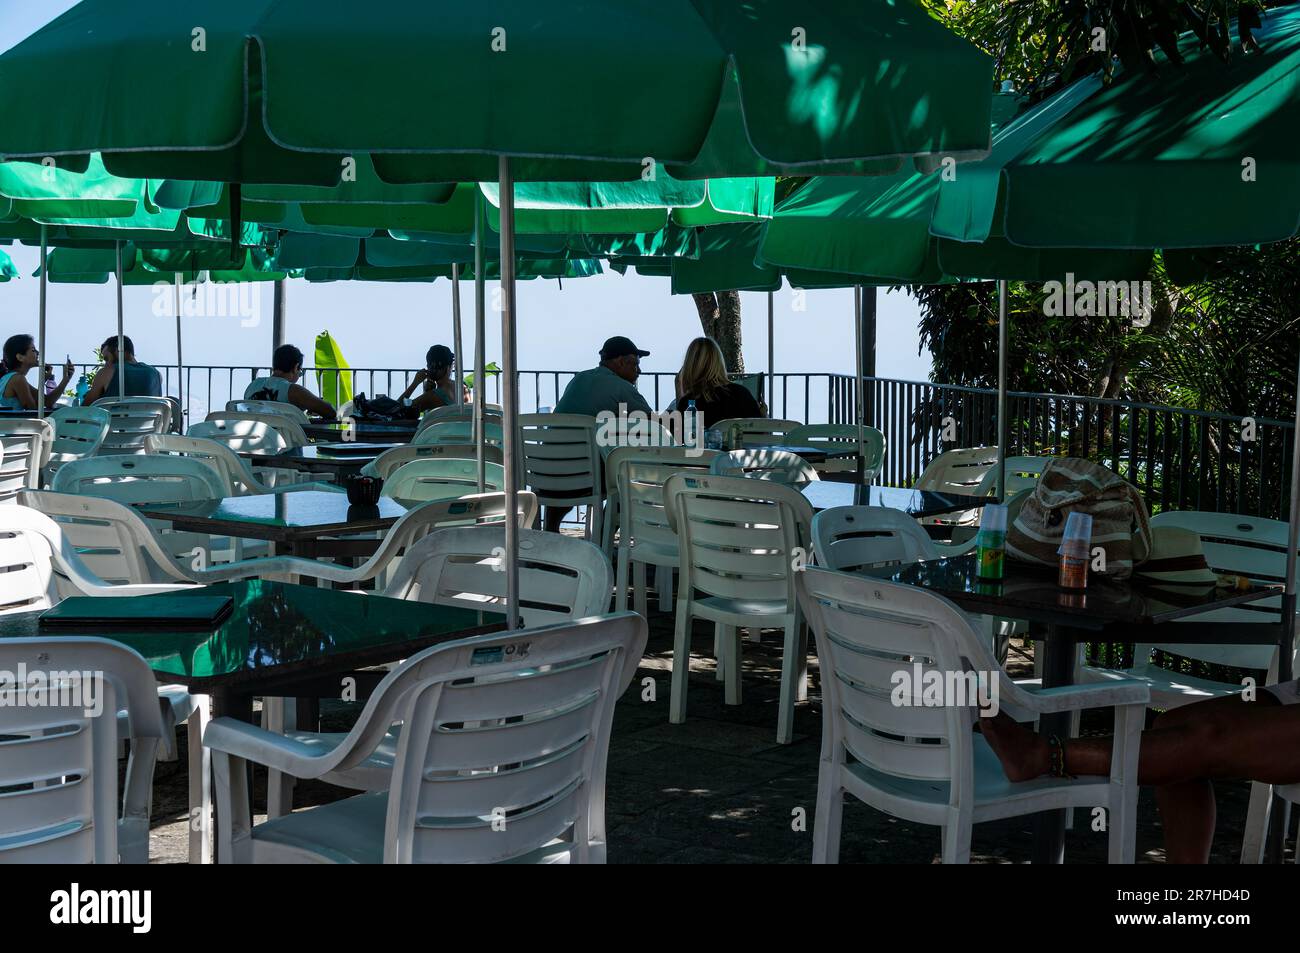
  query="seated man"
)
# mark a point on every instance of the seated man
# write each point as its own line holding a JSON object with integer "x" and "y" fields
{"x": 283, "y": 386}
{"x": 439, "y": 387}
{"x": 611, "y": 386}
{"x": 141, "y": 379}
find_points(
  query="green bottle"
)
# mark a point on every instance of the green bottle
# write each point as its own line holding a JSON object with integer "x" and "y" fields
{"x": 991, "y": 543}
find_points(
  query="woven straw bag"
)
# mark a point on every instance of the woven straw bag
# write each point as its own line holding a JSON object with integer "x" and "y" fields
{"x": 1119, "y": 517}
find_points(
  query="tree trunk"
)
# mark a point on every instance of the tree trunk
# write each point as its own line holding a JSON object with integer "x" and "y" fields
{"x": 720, "y": 319}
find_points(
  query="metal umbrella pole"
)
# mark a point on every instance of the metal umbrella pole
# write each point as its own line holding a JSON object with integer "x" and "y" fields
{"x": 1277, "y": 808}
{"x": 510, "y": 392}
{"x": 859, "y": 385}
{"x": 1003, "y": 430}
{"x": 180, "y": 362}
{"x": 771, "y": 355}
{"x": 480, "y": 346}
{"x": 455, "y": 332}
{"x": 118, "y": 371}
{"x": 40, "y": 330}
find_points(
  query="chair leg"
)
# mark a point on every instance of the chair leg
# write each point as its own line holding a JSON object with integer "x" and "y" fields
{"x": 956, "y": 838}
{"x": 729, "y": 637}
{"x": 621, "y": 582}
{"x": 233, "y": 822}
{"x": 789, "y": 683}
{"x": 1256, "y": 831}
{"x": 830, "y": 814}
{"x": 664, "y": 583}
{"x": 801, "y": 686}
{"x": 681, "y": 663}
{"x": 281, "y": 716}
{"x": 640, "y": 589}
{"x": 200, "y": 783}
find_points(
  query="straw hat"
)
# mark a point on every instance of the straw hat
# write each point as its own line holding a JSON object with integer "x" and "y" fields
{"x": 1177, "y": 559}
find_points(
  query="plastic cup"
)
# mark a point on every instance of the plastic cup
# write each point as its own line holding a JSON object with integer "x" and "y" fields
{"x": 1075, "y": 551}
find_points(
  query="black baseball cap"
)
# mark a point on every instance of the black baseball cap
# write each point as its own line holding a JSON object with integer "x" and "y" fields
{"x": 618, "y": 347}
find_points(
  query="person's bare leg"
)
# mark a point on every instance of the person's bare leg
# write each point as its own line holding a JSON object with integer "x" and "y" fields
{"x": 1188, "y": 747}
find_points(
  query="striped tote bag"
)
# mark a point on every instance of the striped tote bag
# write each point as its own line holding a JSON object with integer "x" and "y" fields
{"x": 1120, "y": 526}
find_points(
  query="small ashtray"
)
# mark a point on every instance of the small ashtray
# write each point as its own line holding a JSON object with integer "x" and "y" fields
{"x": 364, "y": 490}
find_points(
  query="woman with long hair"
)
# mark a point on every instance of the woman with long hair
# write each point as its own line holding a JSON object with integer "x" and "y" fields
{"x": 20, "y": 356}
{"x": 703, "y": 379}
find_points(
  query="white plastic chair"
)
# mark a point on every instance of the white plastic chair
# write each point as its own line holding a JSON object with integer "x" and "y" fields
{"x": 501, "y": 757}
{"x": 645, "y": 537}
{"x": 1243, "y": 545}
{"x": 388, "y": 461}
{"x": 850, "y": 538}
{"x": 144, "y": 479}
{"x": 79, "y": 432}
{"x": 460, "y": 432}
{"x": 842, "y": 438}
{"x": 741, "y": 432}
{"x": 452, "y": 412}
{"x": 562, "y": 463}
{"x": 441, "y": 478}
{"x": 25, "y": 446}
{"x": 281, "y": 408}
{"x": 241, "y": 436}
{"x": 239, "y": 478}
{"x": 778, "y": 466}
{"x": 289, "y": 429}
{"x": 1022, "y": 474}
{"x": 685, "y": 458}
{"x": 59, "y": 770}
{"x": 959, "y": 472}
{"x": 36, "y": 561}
{"x": 131, "y": 419}
{"x": 740, "y": 542}
{"x": 923, "y": 763}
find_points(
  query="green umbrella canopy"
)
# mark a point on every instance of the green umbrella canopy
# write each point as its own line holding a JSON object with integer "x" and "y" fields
{"x": 279, "y": 90}
{"x": 151, "y": 266}
{"x": 525, "y": 270}
{"x": 1206, "y": 154}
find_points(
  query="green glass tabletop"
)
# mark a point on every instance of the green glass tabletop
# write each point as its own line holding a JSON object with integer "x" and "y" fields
{"x": 299, "y": 509}
{"x": 277, "y": 632}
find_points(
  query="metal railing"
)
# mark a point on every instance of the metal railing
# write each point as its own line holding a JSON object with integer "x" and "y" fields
{"x": 1178, "y": 458}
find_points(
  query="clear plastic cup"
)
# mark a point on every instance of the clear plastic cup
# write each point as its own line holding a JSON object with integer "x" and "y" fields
{"x": 1075, "y": 550}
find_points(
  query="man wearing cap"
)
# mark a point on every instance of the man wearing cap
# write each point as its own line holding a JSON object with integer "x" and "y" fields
{"x": 439, "y": 387}
{"x": 609, "y": 387}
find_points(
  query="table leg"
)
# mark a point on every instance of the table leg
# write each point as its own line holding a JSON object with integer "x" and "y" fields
{"x": 237, "y": 705}
{"x": 1058, "y": 669}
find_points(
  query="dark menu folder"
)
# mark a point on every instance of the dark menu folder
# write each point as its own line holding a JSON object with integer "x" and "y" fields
{"x": 155, "y": 612}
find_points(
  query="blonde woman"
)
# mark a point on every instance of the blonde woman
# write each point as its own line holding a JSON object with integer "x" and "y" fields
{"x": 703, "y": 379}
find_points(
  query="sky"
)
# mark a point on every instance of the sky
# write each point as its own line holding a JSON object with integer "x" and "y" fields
{"x": 387, "y": 325}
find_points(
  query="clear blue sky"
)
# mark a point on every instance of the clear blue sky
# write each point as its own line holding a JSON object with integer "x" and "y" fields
{"x": 391, "y": 325}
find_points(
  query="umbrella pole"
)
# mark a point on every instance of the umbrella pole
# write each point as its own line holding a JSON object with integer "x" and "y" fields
{"x": 455, "y": 332}
{"x": 480, "y": 346}
{"x": 180, "y": 363}
{"x": 771, "y": 356}
{"x": 510, "y": 394}
{"x": 859, "y": 385}
{"x": 1277, "y": 809}
{"x": 40, "y": 331}
{"x": 1002, "y": 391}
{"x": 119, "y": 371}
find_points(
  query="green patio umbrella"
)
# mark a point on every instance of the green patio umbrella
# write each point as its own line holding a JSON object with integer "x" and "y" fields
{"x": 281, "y": 90}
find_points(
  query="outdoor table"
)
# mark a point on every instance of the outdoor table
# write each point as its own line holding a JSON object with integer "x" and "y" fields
{"x": 297, "y": 522}
{"x": 390, "y": 431}
{"x": 281, "y": 641}
{"x": 338, "y": 460}
{"x": 825, "y": 494}
{"x": 1107, "y": 611}
{"x": 811, "y": 454}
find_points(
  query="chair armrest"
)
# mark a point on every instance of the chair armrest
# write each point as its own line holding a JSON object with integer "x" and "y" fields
{"x": 253, "y": 568}
{"x": 1047, "y": 701}
{"x": 295, "y": 487}
{"x": 134, "y": 589}
{"x": 242, "y": 740}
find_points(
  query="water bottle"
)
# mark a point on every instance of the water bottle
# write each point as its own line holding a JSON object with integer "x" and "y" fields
{"x": 83, "y": 388}
{"x": 688, "y": 427}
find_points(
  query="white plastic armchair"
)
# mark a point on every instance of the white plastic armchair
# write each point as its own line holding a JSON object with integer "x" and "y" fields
{"x": 684, "y": 458}
{"x": 460, "y": 432}
{"x": 292, "y": 411}
{"x": 25, "y": 447}
{"x": 960, "y": 472}
{"x": 240, "y": 436}
{"x": 842, "y": 439}
{"x": 741, "y": 432}
{"x": 849, "y": 538}
{"x": 560, "y": 457}
{"x": 441, "y": 478}
{"x": 289, "y": 429}
{"x": 778, "y": 466}
{"x": 60, "y": 772}
{"x": 923, "y": 763}
{"x": 451, "y": 412}
{"x": 519, "y": 722}
{"x": 131, "y": 419}
{"x": 1022, "y": 474}
{"x": 141, "y": 479}
{"x": 239, "y": 478}
{"x": 388, "y": 461}
{"x": 79, "y": 432}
